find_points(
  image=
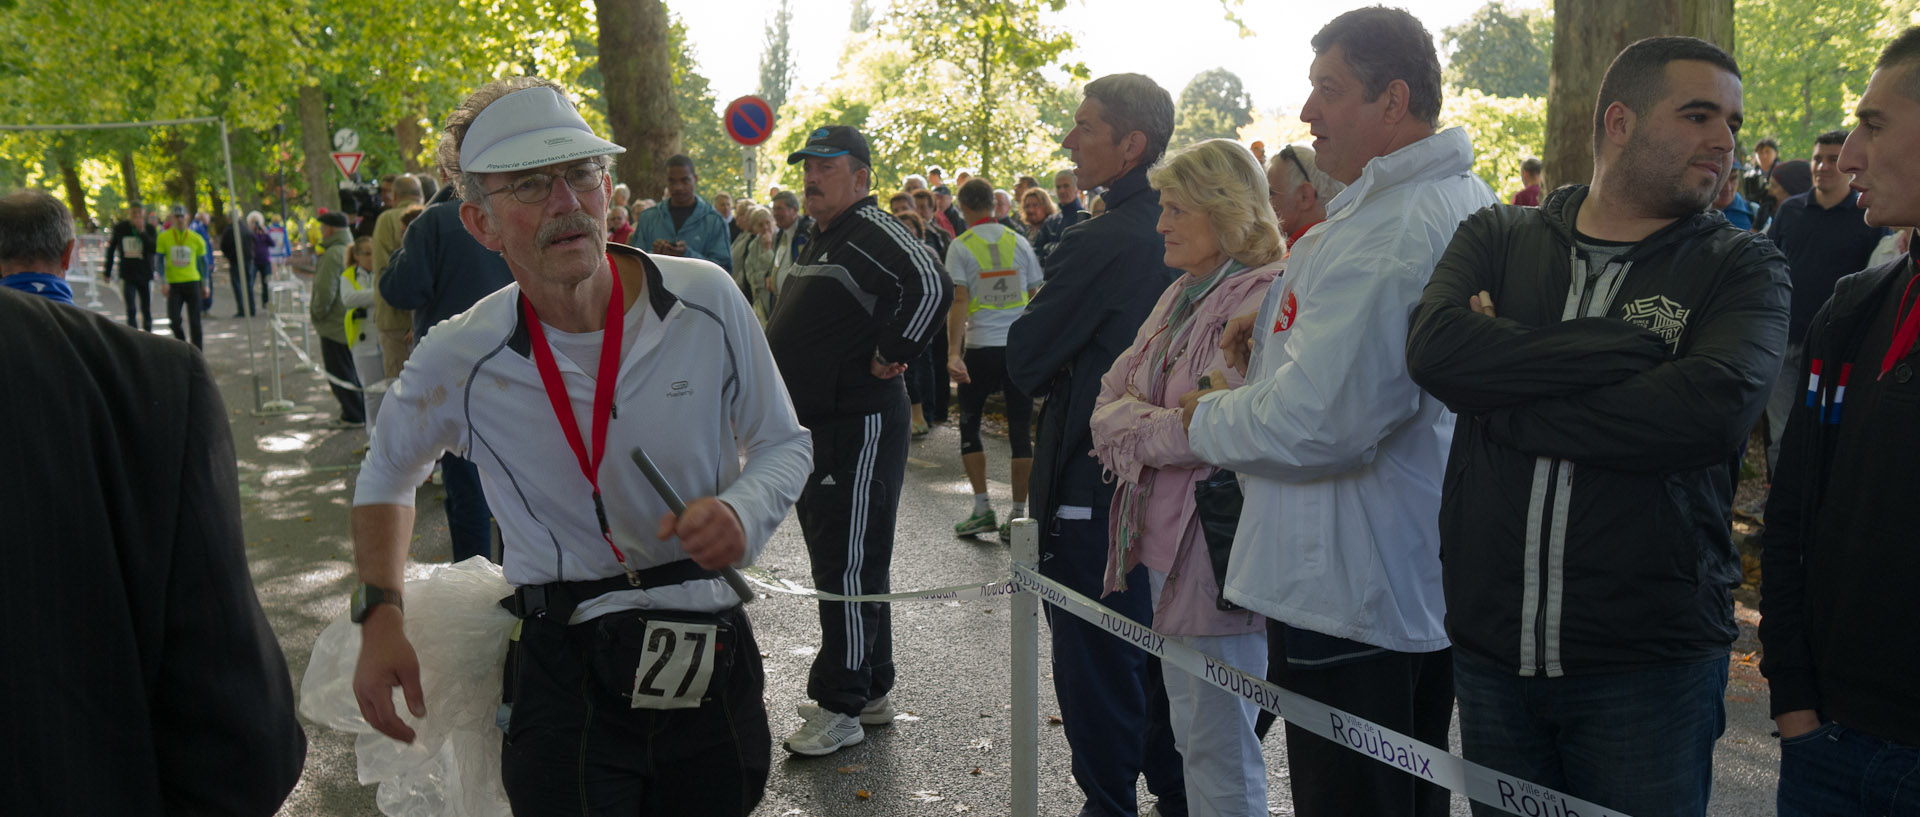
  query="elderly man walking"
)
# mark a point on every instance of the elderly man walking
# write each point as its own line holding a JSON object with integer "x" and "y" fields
{"x": 634, "y": 683}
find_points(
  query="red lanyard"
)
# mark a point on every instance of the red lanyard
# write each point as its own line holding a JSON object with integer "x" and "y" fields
{"x": 602, "y": 394}
{"x": 1908, "y": 330}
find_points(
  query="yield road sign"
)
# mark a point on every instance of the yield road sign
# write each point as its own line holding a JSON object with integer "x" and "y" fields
{"x": 348, "y": 162}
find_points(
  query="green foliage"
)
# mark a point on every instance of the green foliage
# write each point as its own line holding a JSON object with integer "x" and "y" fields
{"x": 1803, "y": 62}
{"x": 1214, "y": 105}
{"x": 776, "y": 59}
{"x": 702, "y": 136}
{"x": 987, "y": 60}
{"x": 1505, "y": 131}
{"x": 1500, "y": 52}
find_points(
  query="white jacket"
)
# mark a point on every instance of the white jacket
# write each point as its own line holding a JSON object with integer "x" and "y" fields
{"x": 697, "y": 387}
{"x": 1339, "y": 453}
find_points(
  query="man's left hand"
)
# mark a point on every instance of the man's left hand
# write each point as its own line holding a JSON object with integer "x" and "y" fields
{"x": 709, "y": 532}
{"x": 885, "y": 371}
{"x": 1191, "y": 400}
{"x": 680, "y": 248}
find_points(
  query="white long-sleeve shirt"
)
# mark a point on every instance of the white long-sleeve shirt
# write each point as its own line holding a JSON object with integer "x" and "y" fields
{"x": 1339, "y": 453}
{"x": 697, "y": 388}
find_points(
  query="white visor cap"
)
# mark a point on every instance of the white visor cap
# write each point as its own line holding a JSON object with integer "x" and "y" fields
{"x": 531, "y": 127}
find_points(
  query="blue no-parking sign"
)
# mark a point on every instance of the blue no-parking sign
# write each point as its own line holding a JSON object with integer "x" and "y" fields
{"x": 749, "y": 120}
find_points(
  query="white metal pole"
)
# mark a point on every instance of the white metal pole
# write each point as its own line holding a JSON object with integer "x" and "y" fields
{"x": 1026, "y": 676}
{"x": 235, "y": 218}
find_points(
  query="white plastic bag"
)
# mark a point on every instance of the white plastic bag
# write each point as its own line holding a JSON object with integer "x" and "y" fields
{"x": 459, "y": 632}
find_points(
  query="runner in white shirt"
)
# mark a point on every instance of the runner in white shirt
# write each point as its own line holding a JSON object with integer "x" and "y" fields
{"x": 592, "y": 352}
{"x": 994, "y": 273}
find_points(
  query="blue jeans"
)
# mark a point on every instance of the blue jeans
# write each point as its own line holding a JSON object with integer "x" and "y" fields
{"x": 1639, "y": 741}
{"x": 1834, "y": 771}
{"x": 469, "y": 520}
{"x": 1113, "y": 701}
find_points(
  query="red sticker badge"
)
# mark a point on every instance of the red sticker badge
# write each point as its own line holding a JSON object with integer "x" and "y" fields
{"x": 1287, "y": 309}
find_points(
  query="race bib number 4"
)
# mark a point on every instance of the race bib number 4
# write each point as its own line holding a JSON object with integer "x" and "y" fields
{"x": 1001, "y": 290}
{"x": 180, "y": 256}
{"x": 676, "y": 666}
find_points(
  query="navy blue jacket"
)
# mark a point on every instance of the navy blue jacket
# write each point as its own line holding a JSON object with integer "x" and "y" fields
{"x": 440, "y": 271}
{"x": 1822, "y": 244}
{"x": 1103, "y": 279}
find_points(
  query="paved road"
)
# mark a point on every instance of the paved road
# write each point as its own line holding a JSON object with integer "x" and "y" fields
{"x": 950, "y": 757}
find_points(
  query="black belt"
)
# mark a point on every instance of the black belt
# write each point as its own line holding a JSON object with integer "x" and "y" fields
{"x": 557, "y": 600}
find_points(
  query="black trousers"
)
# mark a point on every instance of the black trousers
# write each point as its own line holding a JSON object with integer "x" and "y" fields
{"x": 1411, "y": 693}
{"x": 142, "y": 292}
{"x": 846, "y": 513}
{"x": 337, "y": 357}
{"x": 575, "y": 746}
{"x": 986, "y": 374}
{"x": 185, "y": 294}
{"x": 237, "y": 270}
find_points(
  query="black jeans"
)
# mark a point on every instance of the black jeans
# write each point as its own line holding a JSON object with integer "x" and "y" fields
{"x": 575, "y": 746}
{"x": 142, "y": 292}
{"x": 846, "y": 513}
{"x": 337, "y": 357}
{"x": 185, "y": 294}
{"x": 1410, "y": 693}
{"x": 235, "y": 271}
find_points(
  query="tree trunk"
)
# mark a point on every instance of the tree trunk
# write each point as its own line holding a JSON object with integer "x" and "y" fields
{"x": 76, "y": 192}
{"x": 1587, "y": 35}
{"x": 407, "y": 133}
{"x": 316, "y": 161}
{"x": 128, "y": 177}
{"x": 639, "y": 91}
{"x": 185, "y": 187}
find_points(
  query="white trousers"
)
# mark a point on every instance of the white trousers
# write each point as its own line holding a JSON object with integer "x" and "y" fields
{"x": 367, "y": 363}
{"x": 1213, "y": 729}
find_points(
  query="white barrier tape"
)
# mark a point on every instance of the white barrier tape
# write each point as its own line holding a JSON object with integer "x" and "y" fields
{"x": 958, "y": 592}
{"x": 1430, "y": 763}
{"x": 281, "y": 330}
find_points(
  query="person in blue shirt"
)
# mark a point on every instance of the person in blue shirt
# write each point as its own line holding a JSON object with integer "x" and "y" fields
{"x": 685, "y": 225}
{"x": 1738, "y": 210}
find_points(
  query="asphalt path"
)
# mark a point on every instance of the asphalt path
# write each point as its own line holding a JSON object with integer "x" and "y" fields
{"x": 947, "y": 754}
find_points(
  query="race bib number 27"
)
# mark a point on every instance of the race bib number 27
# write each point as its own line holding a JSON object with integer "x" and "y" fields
{"x": 676, "y": 666}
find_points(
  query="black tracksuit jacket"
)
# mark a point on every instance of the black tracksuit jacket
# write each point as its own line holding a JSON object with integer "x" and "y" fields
{"x": 860, "y": 285}
{"x": 1839, "y": 555}
{"x": 1584, "y": 514}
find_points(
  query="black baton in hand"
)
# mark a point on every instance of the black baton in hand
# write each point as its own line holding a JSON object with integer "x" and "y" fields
{"x": 660, "y": 484}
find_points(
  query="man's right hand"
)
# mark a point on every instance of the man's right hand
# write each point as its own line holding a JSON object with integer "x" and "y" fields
{"x": 1237, "y": 341}
{"x": 662, "y": 246}
{"x": 1796, "y": 723}
{"x": 387, "y": 660}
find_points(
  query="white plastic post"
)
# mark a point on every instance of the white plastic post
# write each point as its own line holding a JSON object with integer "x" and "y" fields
{"x": 235, "y": 221}
{"x": 1026, "y": 676}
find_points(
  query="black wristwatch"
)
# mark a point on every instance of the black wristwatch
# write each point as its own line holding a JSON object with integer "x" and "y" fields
{"x": 366, "y": 597}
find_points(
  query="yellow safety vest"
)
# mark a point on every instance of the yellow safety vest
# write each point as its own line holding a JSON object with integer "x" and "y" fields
{"x": 353, "y": 324}
{"x": 1000, "y": 286}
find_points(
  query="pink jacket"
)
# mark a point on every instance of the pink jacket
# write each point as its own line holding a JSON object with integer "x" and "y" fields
{"x": 1136, "y": 440}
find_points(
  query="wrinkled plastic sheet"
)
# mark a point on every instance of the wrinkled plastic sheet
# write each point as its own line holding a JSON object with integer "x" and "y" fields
{"x": 459, "y": 632}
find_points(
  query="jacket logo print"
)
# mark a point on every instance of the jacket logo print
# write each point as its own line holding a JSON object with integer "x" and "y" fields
{"x": 1660, "y": 315}
{"x": 678, "y": 388}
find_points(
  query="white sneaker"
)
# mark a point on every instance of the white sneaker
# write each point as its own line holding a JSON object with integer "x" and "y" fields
{"x": 824, "y": 733}
{"x": 877, "y": 712}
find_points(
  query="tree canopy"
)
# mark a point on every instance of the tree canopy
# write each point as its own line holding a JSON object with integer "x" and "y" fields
{"x": 1214, "y": 105}
{"x": 1500, "y": 52}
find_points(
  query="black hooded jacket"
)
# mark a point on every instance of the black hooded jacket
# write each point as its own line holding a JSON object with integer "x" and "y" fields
{"x": 1838, "y": 556}
{"x": 1584, "y": 514}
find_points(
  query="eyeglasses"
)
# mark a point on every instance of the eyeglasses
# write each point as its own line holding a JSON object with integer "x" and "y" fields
{"x": 534, "y": 188}
{"x": 1288, "y": 154}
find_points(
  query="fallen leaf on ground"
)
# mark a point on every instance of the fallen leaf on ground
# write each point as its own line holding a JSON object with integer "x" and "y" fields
{"x": 863, "y": 794}
{"x": 928, "y": 796}
{"x": 851, "y": 769}
{"x": 982, "y": 744}
{"x": 1054, "y": 720}
{"x": 908, "y": 717}
{"x": 975, "y": 772}
{"x": 962, "y": 807}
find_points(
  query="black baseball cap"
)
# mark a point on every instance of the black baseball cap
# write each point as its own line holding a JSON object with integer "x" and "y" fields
{"x": 333, "y": 219}
{"x": 833, "y": 140}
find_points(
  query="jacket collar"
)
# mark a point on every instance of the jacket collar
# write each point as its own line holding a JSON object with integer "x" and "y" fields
{"x": 658, "y": 298}
{"x": 1562, "y": 206}
{"x": 1443, "y": 155}
{"x": 1130, "y": 184}
{"x": 845, "y": 216}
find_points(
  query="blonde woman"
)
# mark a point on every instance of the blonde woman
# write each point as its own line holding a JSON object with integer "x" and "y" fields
{"x": 753, "y": 257}
{"x": 1219, "y": 229}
